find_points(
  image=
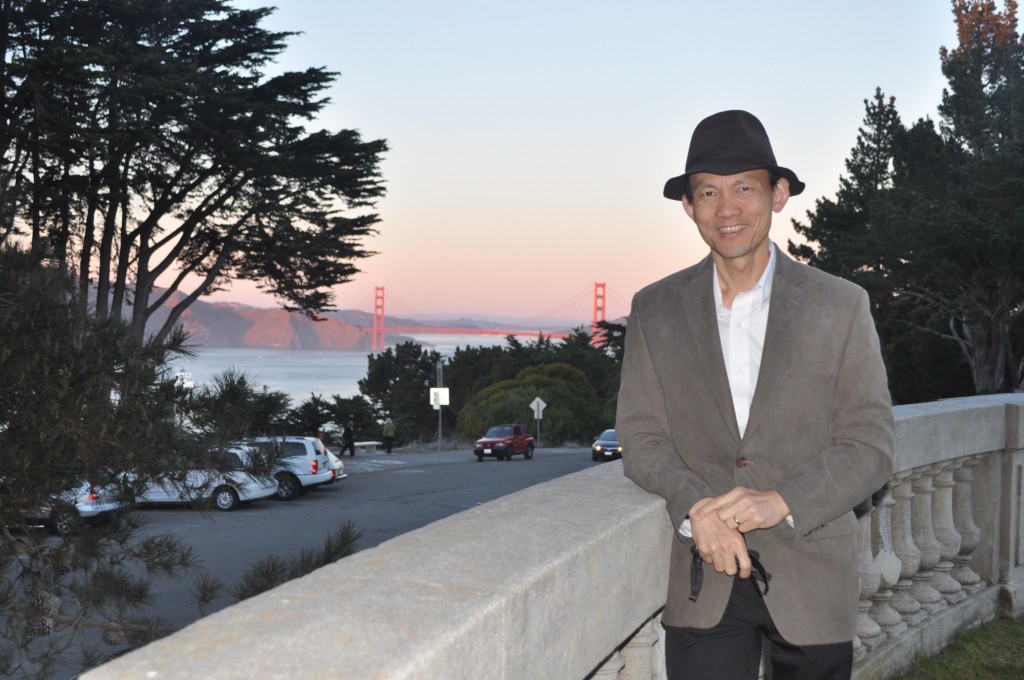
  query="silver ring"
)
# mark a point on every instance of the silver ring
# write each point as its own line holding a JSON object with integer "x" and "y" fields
{"x": 738, "y": 523}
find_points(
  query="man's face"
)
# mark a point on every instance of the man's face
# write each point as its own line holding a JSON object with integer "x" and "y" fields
{"x": 734, "y": 212}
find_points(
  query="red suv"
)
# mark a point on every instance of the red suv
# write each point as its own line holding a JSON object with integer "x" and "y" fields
{"x": 504, "y": 441}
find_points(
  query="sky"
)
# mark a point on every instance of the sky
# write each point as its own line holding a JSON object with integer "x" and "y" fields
{"x": 530, "y": 140}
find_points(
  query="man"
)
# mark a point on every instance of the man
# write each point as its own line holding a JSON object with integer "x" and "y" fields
{"x": 348, "y": 439}
{"x": 389, "y": 434}
{"x": 754, "y": 401}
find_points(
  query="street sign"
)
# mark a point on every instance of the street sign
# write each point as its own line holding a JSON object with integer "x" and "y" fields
{"x": 439, "y": 396}
{"x": 538, "y": 406}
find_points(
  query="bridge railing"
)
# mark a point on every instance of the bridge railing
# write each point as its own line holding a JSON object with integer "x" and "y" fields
{"x": 566, "y": 579}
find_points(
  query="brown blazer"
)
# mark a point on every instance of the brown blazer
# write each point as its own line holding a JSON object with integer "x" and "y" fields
{"x": 820, "y": 432}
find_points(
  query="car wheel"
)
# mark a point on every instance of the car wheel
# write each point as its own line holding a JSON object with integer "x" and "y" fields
{"x": 479, "y": 457}
{"x": 529, "y": 452}
{"x": 287, "y": 487}
{"x": 65, "y": 521}
{"x": 225, "y": 498}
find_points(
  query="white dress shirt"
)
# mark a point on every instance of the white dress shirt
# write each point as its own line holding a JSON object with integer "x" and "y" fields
{"x": 741, "y": 331}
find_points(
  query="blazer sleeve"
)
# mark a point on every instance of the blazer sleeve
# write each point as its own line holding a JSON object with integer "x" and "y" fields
{"x": 650, "y": 458}
{"x": 858, "y": 459}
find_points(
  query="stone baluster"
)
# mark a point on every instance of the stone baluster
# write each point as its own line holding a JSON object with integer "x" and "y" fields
{"x": 946, "y": 533}
{"x": 868, "y": 631}
{"x": 904, "y": 547}
{"x": 924, "y": 538}
{"x": 639, "y": 654}
{"x": 963, "y": 520}
{"x": 889, "y": 566}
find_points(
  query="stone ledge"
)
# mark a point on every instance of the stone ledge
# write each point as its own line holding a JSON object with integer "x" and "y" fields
{"x": 956, "y": 427}
{"x": 527, "y": 586}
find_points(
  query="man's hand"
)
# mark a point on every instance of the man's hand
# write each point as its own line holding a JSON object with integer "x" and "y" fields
{"x": 744, "y": 509}
{"x": 718, "y": 542}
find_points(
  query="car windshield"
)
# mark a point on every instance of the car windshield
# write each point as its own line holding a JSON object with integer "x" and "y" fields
{"x": 607, "y": 435}
{"x": 499, "y": 431}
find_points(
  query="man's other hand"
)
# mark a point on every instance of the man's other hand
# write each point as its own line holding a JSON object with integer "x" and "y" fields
{"x": 745, "y": 509}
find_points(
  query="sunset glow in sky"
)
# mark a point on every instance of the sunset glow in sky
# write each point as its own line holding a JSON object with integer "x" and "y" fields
{"x": 530, "y": 140}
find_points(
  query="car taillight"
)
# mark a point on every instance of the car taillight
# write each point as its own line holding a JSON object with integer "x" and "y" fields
{"x": 316, "y": 465}
{"x": 92, "y": 495}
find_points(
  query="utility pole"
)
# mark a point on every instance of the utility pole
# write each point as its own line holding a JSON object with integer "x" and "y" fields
{"x": 440, "y": 383}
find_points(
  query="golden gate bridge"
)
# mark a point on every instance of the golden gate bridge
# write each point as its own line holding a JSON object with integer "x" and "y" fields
{"x": 600, "y": 311}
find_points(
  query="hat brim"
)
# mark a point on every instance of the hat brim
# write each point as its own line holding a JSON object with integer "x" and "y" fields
{"x": 676, "y": 186}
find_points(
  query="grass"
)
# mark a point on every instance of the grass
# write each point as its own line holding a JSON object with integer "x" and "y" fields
{"x": 994, "y": 651}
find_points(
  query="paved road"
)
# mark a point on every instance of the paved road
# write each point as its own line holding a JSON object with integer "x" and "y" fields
{"x": 383, "y": 495}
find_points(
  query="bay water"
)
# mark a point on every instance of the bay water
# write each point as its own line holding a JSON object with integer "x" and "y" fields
{"x": 300, "y": 373}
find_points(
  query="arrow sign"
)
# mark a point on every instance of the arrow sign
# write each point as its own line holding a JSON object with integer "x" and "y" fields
{"x": 538, "y": 406}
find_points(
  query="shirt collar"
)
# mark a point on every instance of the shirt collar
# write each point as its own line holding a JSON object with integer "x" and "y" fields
{"x": 763, "y": 285}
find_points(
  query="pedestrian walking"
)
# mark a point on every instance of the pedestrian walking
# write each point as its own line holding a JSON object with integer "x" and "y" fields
{"x": 388, "y": 434}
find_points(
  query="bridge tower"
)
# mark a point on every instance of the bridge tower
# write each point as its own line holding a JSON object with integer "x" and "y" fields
{"x": 596, "y": 334}
{"x": 378, "y": 319}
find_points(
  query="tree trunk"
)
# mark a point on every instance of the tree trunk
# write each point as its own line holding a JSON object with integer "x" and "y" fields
{"x": 985, "y": 345}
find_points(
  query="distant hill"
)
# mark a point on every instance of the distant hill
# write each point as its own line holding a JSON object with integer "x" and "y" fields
{"x": 226, "y": 324}
{"x": 230, "y": 324}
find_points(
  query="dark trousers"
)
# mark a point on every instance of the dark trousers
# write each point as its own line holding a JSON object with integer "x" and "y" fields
{"x": 732, "y": 649}
{"x": 348, "y": 445}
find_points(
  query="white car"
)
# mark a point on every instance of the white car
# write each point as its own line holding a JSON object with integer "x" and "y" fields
{"x": 226, "y": 489}
{"x": 302, "y": 463}
{"x": 337, "y": 465}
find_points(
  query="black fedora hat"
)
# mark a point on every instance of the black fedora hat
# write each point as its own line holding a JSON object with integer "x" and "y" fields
{"x": 727, "y": 143}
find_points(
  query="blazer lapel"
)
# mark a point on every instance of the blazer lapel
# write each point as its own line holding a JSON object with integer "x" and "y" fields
{"x": 784, "y": 313}
{"x": 698, "y": 301}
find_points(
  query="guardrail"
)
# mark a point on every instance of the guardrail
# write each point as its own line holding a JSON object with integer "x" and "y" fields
{"x": 566, "y": 579}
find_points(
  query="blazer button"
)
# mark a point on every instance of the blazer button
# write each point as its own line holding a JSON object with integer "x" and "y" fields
{"x": 741, "y": 462}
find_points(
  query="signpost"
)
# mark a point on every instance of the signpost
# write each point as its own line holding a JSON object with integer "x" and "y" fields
{"x": 538, "y": 406}
{"x": 438, "y": 398}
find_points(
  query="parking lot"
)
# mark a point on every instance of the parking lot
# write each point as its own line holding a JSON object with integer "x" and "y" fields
{"x": 383, "y": 496}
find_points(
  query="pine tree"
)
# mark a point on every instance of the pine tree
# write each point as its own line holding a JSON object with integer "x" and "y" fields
{"x": 929, "y": 219}
{"x": 81, "y": 400}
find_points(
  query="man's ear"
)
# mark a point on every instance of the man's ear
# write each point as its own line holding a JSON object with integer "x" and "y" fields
{"x": 688, "y": 207}
{"x": 780, "y": 195}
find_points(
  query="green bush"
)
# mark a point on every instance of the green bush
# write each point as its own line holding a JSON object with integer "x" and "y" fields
{"x": 573, "y": 413}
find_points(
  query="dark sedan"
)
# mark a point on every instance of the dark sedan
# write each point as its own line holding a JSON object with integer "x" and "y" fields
{"x": 606, "y": 446}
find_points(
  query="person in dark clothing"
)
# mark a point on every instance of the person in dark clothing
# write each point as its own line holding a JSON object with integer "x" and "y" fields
{"x": 348, "y": 439}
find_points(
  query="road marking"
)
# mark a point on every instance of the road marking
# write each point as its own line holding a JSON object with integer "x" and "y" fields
{"x": 376, "y": 465}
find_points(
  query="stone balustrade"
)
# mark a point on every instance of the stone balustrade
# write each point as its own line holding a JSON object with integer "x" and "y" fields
{"x": 566, "y": 579}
